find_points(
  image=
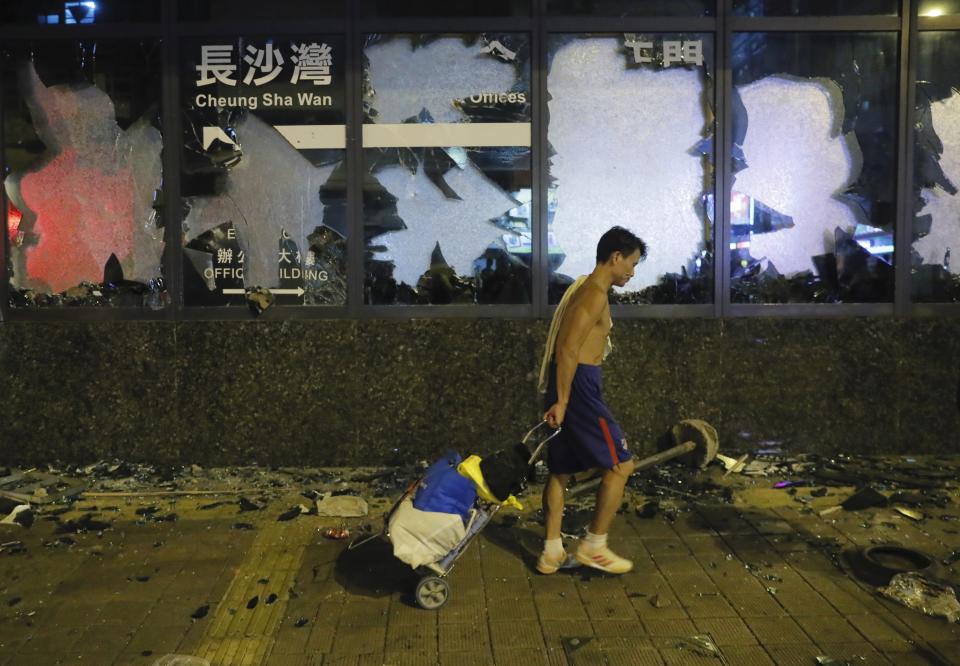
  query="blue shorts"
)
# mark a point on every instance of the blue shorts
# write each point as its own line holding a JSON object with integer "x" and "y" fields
{"x": 590, "y": 437}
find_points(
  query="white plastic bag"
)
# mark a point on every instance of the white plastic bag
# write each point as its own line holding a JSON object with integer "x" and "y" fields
{"x": 423, "y": 537}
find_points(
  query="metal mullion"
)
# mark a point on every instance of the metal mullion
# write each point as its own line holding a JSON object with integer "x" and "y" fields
{"x": 935, "y": 310}
{"x": 456, "y": 311}
{"x": 813, "y": 23}
{"x": 586, "y": 24}
{"x": 540, "y": 231}
{"x": 903, "y": 229}
{"x": 938, "y": 22}
{"x": 723, "y": 149}
{"x": 273, "y": 27}
{"x": 450, "y": 25}
{"x": 64, "y": 313}
{"x": 274, "y": 313}
{"x": 81, "y": 32}
{"x": 172, "y": 140}
{"x": 666, "y": 311}
{"x": 356, "y": 242}
{"x": 812, "y": 310}
{"x": 4, "y": 249}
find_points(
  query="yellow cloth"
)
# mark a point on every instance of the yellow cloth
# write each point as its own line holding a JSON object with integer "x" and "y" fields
{"x": 555, "y": 331}
{"x": 470, "y": 468}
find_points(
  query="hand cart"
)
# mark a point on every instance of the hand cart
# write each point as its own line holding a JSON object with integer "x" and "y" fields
{"x": 433, "y": 590}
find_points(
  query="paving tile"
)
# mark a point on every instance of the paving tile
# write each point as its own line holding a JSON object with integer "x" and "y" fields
{"x": 411, "y": 638}
{"x": 463, "y": 608}
{"x": 876, "y": 629}
{"x": 747, "y": 655}
{"x": 639, "y": 656}
{"x": 619, "y": 628}
{"x": 804, "y": 603}
{"x": 520, "y": 609}
{"x": 828, "y": 629}
{"x": 354, "y": 639}
{"x": 464, "y": 637}
{"x": 682, "y": 657}
{"x": 472, "y": 658}
{"x": 520, "y": 656}
{"x": 561, "y": 609}
{"x": 410, "y": 658}
{"x": 507, "y": 635}
{"x": 856, "y": 653}
{"x": 796, "y": 654}
{"x": 660, "y": 605}
{"x": 669, "y": 628}
{"x": 707, "y": 605}
{"x": 726, "y": 631}
{"x": 776, "y": 630}
{"x": 556, "y": 630}
{"x": 763, "y": 604}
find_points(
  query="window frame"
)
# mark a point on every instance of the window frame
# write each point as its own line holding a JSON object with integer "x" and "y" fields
{"x": 540, "y": 26}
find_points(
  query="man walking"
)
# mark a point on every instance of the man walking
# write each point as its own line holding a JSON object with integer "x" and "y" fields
{"x": 591, "y": 439}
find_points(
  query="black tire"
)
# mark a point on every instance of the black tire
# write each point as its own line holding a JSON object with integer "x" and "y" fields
{"x": 878, "y": 564}
{"x": 432, "y": 592}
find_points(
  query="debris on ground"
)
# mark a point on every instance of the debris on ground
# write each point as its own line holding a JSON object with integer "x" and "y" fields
{"x": 342, "y": 506}
{"x": 864, "y": 498}
{"x": 21, "y": 515}
{"x": 700, "y": 644}
{"x": 929, "y": 597}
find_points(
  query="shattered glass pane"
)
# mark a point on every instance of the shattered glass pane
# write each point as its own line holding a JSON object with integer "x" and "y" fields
{"x": 814, "y": 153}
{"x": 447, "y": 185}
{"x": 235, "y": 10}
{"x": 936, "y": 223}
{"x": 82, "y": 146}
{"x": 264, "y": 171}
{"x": 478, "y": 8}
{"x": 58, "y": 12}
{"x": 646, "y": 162}
{"x": 632, "y": 7}
{"x": 938, "y": 7}
{"x": 815, "y": 7}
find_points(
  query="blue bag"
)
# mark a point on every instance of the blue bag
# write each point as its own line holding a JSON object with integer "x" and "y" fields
{"x": 444, "y": 489}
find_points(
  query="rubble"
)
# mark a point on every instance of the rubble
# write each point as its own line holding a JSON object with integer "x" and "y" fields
{"x": 915, "y": 591}
{"x": 342, "y": 506}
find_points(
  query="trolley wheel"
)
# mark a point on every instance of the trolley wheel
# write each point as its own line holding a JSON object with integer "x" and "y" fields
{"x": 432, "y": 592}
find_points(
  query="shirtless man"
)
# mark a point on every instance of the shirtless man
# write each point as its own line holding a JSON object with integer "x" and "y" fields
{"x": 591, "y": 438}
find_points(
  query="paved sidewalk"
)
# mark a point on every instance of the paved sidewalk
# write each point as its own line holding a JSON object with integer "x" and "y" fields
{"x": 127, "y": 596}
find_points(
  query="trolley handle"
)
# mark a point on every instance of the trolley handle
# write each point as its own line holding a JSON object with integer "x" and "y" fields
{"x": 536, "y": 453}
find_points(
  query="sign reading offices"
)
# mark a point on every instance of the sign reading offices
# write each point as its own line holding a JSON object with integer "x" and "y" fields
{"x": 309, "y": 63}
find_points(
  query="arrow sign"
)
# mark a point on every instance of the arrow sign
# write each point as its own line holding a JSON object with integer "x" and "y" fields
{"x": 297, "y": 292}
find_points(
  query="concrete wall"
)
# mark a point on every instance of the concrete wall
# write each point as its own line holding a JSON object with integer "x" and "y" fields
{"x": 348, "y": 392}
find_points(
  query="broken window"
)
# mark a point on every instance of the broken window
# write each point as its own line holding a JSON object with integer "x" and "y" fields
{"x": 447, "y": 185}
{"x": 814, "y": 155}
{"x": 78, "y": 12}
{"x": 632, "y": 7}
{"x": 263, "y": 169}
{"x": 631, "y": 144}
{"x": 815, "y": 7}
{"x": 234, "y": 10}
{"x": 936, "y": 175}
{"x": 478, "y": 8}
{"x": 82, "y": 147}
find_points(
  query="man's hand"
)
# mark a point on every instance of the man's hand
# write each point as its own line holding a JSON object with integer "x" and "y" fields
{"x": 554, "y": 415}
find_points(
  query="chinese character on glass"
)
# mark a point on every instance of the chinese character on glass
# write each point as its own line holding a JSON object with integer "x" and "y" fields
{"x": 216, "y": 65}
{"x": 268, "y": 60}
{"x": 313, "y": 62}
{"x": 689, "y": 53}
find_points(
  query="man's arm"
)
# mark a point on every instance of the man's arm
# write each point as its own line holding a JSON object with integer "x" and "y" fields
{"x": 576, "y": 326}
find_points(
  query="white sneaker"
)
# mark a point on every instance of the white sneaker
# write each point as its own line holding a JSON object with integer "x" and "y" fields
{"x": 602, "y": 558}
